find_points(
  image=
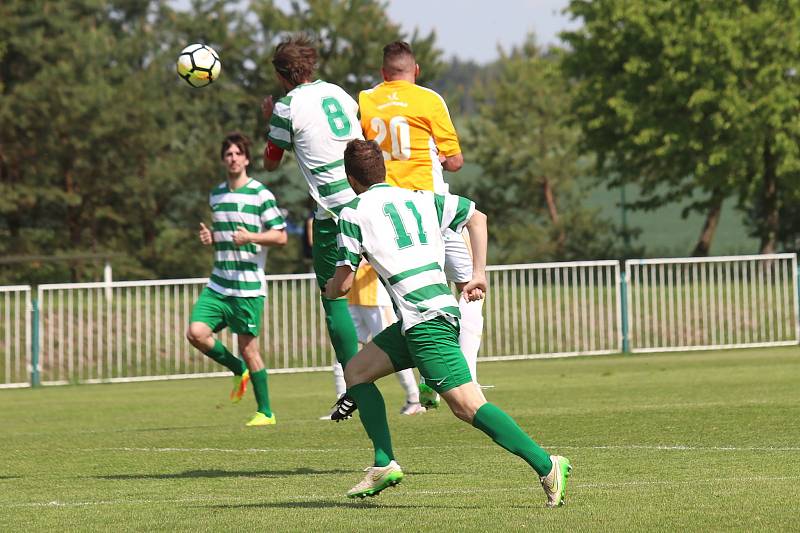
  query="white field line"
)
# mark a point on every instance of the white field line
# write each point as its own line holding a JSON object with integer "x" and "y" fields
{"x": 677, "y": 448}
{"x": 339, "y": 495}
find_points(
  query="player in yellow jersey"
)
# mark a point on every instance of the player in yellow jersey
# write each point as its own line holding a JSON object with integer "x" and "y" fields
{"x": 371, "y": 309}
{"x": 413, "y": 128}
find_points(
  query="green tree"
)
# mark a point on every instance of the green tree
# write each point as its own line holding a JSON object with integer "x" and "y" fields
{"x": 527, "y": 150}
{"x": 692, "y": 98}
{"x": 351, "y": 36}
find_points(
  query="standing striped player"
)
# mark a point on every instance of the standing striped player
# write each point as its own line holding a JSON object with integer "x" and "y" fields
{"x": 246, "y": 219}
{"x": 315, "y": 120}
{"x": 399, "y": 232}
{"x": 418, "y": 140}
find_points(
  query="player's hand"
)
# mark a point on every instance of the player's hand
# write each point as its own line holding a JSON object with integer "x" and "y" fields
{"x": 267, "y": 106}
{"x": 205, "y": 235}
{"x": 475, "y": 289}
{"x": 241, "y": 236}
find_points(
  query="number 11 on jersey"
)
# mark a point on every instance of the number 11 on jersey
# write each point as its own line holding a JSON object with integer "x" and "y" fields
{"x": 402, "y": 237}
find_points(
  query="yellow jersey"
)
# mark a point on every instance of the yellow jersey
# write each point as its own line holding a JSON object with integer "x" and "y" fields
{"x": 367, "y": 290}
{"x": 412, "y": 126}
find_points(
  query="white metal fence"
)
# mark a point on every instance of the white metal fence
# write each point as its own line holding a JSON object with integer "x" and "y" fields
{"x": 716, "y": 302}
{"x": 552, "y": 309}
{"x": 122, "y": 331}
{"x": 15, "y": 335}
{"x": 132, "y": 330}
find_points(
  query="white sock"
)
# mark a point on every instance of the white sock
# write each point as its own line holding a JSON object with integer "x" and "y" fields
{"x": 409, "y": 384}
{"x": 338, "y": 379}
{"x": 471, "y": 332}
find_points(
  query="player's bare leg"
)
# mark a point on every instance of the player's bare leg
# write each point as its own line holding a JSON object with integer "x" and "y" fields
{"x": 200, "y": 336}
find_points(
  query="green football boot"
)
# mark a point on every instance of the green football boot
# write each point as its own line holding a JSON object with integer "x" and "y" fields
{"x": 555, "y": 483}
{"x": 377, "y": 479}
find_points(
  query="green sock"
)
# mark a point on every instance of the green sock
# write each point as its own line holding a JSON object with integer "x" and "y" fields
{"x": 504, "y": 431}
{"x": 221, "y": 355}
{"x": 261, "y": 390}
{"x": 340, "y": 329}
{"x": 372, "y": 411}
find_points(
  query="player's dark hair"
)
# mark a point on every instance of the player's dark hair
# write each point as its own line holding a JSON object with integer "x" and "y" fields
{"x": 235, "y": 138}
{"x": 295, "y": 59}
{"x": 397, "y": 55}
{"x": 363, "y": 160}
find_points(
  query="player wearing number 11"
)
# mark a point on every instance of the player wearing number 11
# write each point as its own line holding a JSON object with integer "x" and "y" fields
{"x": 426, "y": 336}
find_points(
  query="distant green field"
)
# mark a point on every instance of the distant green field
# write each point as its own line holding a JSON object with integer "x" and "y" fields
{"x": 705, "y": 441}
{"x": 663, "y": 232}
{"x": 666, "y": 234}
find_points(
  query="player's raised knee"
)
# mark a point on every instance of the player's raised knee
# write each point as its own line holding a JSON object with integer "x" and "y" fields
{"x": 197, "y": 332}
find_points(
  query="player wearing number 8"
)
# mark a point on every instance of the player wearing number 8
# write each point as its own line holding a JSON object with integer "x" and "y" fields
{"x": 316, "y": 119}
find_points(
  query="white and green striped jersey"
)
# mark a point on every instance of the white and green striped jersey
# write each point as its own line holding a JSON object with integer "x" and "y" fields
{"x": 239, "y": 270}
{"x": 316, "y": 120}
{"x": 399, "y": 231}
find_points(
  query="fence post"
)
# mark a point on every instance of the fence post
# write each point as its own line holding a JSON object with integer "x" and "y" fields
{"x": 626, "y": 348}
{"x": 35, "y": 378}
{"x": 797, "y": 302}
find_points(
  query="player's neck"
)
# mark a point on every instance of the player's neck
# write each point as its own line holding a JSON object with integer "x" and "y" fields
{"x": 288, "y": 86}
{"x": 400, "y": 77}
{"x": 237, "y": 180}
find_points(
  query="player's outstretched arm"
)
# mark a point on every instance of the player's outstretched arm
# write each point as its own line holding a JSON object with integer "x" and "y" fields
{"x": 478, "y": 238}
{"x": 272, "y": 153}
{"x": 271, "y": 237}
{"x": 340, "y": 283}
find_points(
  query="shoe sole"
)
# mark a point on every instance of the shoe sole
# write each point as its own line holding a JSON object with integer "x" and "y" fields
{"x": 393, "y": 480}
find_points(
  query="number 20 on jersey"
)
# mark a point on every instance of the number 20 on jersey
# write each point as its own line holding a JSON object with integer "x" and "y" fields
{"x": 400, "y": 134}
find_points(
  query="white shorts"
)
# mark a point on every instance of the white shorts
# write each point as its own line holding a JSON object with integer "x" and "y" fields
{"x": 457, "y": 257}
{"x": 371, "y": 320}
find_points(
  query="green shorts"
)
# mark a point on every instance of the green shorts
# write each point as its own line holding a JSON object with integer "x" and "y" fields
{"x": 242, "y": 315}
{"x": 432, "y": 347}
{"x": 325, "y": 250}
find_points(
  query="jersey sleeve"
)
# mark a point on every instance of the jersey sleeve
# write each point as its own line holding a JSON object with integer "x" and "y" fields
{"x": 280, "y": 125}
{"x": 443, "y": 130}
{"x": 270, "y": 214}
{"x": 453, "y": 211}
{"x": 349, "y": 239}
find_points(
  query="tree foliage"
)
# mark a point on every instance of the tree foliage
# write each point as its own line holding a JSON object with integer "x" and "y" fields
{"x": 693, "y": 97}
{"x": 104, "y": 150}
{"x": 528, "y": 153}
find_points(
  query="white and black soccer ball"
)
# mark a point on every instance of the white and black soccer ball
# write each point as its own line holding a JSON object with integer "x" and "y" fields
{"x": 199, "y": 65}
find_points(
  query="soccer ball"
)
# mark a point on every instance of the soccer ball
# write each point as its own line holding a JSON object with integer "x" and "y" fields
{"x": 199, "y": 65}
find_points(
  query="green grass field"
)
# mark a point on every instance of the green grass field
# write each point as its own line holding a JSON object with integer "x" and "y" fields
{"x": 691, "y": 441}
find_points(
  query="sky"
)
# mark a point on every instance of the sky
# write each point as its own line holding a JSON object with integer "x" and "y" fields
{"x": 470, "y": 30}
